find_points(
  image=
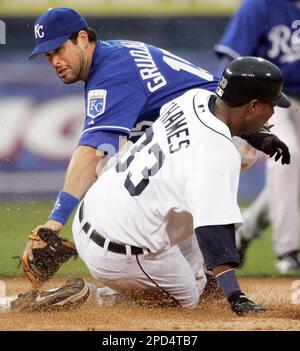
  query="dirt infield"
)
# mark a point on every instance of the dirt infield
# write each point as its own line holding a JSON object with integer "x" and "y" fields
{"x": 275, "y": 294}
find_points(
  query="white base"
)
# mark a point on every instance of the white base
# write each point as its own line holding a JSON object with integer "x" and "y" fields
{"x": 5, "y": 302}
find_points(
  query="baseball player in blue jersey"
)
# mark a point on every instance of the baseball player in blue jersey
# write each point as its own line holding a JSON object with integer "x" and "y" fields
{"x": 270, "y": 29}
{"x": 179, "y": 180}
{"x": 126, "y": 83}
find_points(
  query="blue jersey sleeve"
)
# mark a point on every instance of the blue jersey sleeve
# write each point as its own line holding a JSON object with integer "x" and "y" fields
{"x": 112, "y": 108}
{"x": 108, "y": 142}
{"x": 244, "y": 30}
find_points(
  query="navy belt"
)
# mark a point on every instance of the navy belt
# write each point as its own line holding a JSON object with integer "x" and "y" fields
{"x": 100, "y": 240}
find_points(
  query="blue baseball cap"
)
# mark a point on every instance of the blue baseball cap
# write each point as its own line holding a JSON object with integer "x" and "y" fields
{"x": 54, "y": 27}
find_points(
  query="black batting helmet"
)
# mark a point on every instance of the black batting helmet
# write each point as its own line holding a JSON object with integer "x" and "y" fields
{"x": 247, "y": 78}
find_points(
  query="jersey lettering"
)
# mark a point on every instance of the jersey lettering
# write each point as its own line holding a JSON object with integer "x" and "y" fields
{"x": 147, "y": 67}
{"x": 179, "y": 145}
{"x": 175, "y": 125}
{"x": 285, "y": 42}
{"x": 140, "y": 128}
{"x": 155, "y": 150}
{"x": 136, "y": 190}
{"x": 179, "y": 64}
{"x": 144, "y": 141}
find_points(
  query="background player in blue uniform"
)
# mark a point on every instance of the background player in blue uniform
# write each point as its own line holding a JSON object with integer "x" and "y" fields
{"x": 270, "y": 29}
{"x": 126, "y": 83}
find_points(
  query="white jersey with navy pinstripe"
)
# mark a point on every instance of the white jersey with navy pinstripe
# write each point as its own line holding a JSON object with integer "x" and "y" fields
{"x": 183, "y": 173}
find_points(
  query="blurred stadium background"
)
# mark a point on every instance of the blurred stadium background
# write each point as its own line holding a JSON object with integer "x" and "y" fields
{"x": 41, "y": 119}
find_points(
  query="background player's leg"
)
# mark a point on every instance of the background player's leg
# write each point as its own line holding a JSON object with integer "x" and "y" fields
{"x": 256, "y": 219}
{"x": 283, "y": 190}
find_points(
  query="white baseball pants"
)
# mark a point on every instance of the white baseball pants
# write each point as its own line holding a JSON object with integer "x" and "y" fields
{"x": 172, "y": 275}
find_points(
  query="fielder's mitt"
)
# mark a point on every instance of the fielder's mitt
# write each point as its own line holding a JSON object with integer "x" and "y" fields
{"x": 47, "y": 259}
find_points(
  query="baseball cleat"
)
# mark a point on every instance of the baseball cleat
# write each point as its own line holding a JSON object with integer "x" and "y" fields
{"x": 73, "y": 293}
{"x": 242, "y": 306}
{"x": 289, "y": 263}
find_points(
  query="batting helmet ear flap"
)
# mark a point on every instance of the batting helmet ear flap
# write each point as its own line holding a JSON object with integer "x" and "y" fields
{"x": 247, "y": 78}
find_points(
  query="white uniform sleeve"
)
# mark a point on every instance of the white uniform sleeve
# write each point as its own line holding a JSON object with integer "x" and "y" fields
{"x": 212, "y": 178}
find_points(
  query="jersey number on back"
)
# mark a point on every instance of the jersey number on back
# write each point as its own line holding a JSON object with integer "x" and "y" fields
{"x": 136, "y": 190}
{"x": 179, "y": 64}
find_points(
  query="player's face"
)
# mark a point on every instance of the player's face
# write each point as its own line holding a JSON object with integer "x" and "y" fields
{"x": 68, "y": 62}
{"x": 259, "y": 113}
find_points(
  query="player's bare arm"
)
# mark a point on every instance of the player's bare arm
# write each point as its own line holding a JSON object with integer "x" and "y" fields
{"x": 81, "y": 171}
{"x": 79, "y": 178}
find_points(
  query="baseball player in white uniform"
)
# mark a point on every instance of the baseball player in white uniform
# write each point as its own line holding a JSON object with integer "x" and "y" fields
{"x": 179, "y": 182}
{"x": 159, "y": 191}
{"x": 181, "y": 176}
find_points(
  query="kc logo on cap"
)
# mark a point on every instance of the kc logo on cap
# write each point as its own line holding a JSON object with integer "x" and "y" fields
{"x": 54, "y": 27}
{"x": 38, "y": 31}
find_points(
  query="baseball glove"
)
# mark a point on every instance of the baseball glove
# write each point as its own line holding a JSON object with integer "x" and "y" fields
{"x": 47, "y": 259}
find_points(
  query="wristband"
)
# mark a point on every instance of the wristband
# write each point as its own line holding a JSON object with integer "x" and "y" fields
{"x": 63, "y": 208}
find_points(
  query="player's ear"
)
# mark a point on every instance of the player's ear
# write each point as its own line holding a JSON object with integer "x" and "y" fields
{"x": 83, "y": 38}
{"x": 253, "y": 105}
